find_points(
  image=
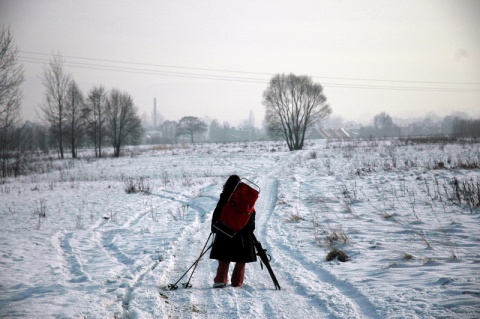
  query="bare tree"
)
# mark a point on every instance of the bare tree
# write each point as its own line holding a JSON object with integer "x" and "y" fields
{"x": 294, "y": 104}
{"x": 382, "y": 121}
{"x": 215, "y": 132}
{"x": 383, "y": 126}
{"x": 123, "y": 125}
{"x": 189, "y": 125}
{"x": 169, "y": 131}
{"x": 56, "y": 83}
{"x": 34, "y": 136}
{"x": 75, "y": 115}
{"x": 11, "y": 77}
{"x": 96, "y": 104}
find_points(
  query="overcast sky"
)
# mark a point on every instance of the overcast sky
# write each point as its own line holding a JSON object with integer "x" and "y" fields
{"x": 214, "y": 58}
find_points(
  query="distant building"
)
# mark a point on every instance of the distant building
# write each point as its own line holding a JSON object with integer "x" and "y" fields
{"x": 330, "y": 133}
{"x": 152, "y": 137}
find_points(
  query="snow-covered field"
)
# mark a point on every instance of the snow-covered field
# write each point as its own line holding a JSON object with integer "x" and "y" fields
{"x": 102, "y": 253}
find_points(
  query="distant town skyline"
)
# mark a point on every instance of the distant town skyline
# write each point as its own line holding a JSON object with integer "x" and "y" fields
{"x": 214, "y": 59}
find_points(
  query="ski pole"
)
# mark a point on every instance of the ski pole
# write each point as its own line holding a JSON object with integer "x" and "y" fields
{"x": 174, "y": 286}
{"x": 187, "y": 284}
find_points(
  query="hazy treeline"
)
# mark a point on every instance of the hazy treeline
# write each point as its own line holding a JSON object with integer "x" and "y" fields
{"x": 455, "y": 125}
{"x": 191, "y": 129}
{"x": 466, "y": 128}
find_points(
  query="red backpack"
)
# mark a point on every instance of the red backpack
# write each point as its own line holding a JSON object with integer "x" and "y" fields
{"x": 239, "y": 207}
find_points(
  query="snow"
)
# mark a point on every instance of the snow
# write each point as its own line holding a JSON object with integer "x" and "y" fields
{"x": 102, "y": 253}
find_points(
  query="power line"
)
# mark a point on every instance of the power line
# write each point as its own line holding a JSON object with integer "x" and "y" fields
{"x": 400, "y": 88}
{"x": 248, "y": 72}
{"x": 152, "y": 72}
{"x": 258, "y": 73}
{"x": 206, "y": 76}
{"x": 149, "y": 64}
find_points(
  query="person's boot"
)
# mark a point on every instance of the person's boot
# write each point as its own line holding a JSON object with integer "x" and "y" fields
{"x": 220, "y": 280}
{"x": 238, "y": 275}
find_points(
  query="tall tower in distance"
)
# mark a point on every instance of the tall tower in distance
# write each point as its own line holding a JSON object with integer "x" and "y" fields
{"x": 154, "y": 113}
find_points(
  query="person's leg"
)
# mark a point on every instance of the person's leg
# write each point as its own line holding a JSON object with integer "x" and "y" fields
{"x": 222, "y": 272}
{"x": 238, "y": 275}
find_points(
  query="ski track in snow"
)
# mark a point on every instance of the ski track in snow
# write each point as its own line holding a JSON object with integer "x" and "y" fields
{"x": 338, "y": 297}
{"x": 182, "y": 241}
{"x": 323, "y": 294}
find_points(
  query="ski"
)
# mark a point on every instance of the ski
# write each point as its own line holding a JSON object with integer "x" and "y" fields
{"x": 263, "y": 256}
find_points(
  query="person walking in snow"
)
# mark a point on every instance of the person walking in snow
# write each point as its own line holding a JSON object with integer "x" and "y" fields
{"x": 239, "y": 248}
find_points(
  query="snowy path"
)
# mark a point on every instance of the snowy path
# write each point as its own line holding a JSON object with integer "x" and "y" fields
{"x": 307, "y": 289}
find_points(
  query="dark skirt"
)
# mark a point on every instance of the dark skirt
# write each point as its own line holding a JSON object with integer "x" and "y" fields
{"x": 238, "y": 248}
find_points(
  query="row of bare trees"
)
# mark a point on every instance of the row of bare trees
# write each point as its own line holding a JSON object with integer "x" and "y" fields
{"x": 464, "y": 128}
{"x": 11, "y": 78}
{"x": 100, "y": 117}
{"x": 197, "y": 130}
{"x": 69, "y": 118}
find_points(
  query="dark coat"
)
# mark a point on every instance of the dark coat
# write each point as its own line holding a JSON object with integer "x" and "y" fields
{"x": 238, "y": 248}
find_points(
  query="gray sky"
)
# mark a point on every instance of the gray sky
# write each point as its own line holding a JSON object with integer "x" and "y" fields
{"x": 215, "y": 58}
